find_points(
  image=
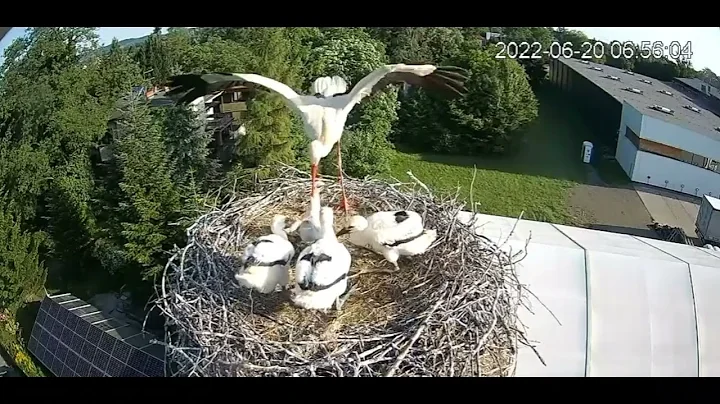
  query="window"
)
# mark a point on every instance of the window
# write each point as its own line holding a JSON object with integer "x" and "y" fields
{"x": 699, "y": 161}
{"x": 634, "y": 138}
{"x": 702, "y": 86}
{"x": 674, "y": 153}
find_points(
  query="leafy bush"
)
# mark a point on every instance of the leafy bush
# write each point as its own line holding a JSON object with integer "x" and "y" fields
{"x": 12, "y": 342}
{"x": 499, "y": 103}
{"x": 22, "y": 275}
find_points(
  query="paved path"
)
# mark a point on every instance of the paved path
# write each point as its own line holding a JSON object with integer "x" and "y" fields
{"x": 672, "y": 208}
{"x": 618, "y": 209}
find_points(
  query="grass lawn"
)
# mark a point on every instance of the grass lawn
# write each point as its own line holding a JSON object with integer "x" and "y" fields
{"x": 537, "y": 179}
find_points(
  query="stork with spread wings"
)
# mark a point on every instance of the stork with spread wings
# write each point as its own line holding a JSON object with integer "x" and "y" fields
{"x": 325, "y": 111}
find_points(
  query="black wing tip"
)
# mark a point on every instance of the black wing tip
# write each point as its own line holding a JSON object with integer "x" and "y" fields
{"x": 452, "y": 69}
{"x": 401, "y": 216}
{"x": 323, "y": 257}
{"x": 452, "y": 79}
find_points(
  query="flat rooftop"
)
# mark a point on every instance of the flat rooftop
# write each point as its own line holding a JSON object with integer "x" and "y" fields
{"x": 694, "y": 82}
{"x": 703, "y": 122}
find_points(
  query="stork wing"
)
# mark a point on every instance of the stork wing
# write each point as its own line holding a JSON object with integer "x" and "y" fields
{"x": 191, "y": 86}
{"x": 387, "y": 233}
{"x": 448, "y": 79}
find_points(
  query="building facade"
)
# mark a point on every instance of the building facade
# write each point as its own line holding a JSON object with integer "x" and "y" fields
{"x": 664, "y": 155}
{"x": 660, "y": 135}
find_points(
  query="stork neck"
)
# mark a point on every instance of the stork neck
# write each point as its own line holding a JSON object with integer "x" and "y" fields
{"x": 328, "y": 230}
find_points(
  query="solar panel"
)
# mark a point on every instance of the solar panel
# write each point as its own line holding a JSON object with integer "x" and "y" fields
{"x": 73, "y": 338}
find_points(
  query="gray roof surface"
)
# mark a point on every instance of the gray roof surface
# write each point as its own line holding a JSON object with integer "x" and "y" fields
{"x": 704, "y": 122}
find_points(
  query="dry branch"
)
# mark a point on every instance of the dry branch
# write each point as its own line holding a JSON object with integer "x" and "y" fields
{"x": 449, "y": 312}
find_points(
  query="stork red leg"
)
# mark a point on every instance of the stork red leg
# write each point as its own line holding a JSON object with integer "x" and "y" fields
{"x": 313, "y": 175}
{"x": 344, "y": 205}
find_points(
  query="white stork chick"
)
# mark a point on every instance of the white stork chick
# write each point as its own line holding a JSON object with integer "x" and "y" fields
{"x": 325, "y": 111}
{"x": 265, "y": 261}
{"x": 322, "y": 269}
{"x": 391, "y": 234}
{"x": 309, "y": 226}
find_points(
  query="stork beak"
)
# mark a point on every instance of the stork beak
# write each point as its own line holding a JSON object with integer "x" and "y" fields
{"x": 343, "y": 232}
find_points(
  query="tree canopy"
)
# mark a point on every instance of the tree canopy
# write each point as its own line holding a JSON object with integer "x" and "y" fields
{"x": 98, "y": 184}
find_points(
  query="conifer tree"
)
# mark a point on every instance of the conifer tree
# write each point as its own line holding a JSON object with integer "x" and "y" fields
{"x": 149, "y": 201}
{"x": 186, "y": 139}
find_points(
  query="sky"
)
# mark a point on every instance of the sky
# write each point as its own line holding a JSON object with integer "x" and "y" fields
{"x": 705, "y": 40}
{"x": 106, "y": 35}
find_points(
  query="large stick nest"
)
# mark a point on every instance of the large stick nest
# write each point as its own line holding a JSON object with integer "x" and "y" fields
{"x": 448, "y": 312}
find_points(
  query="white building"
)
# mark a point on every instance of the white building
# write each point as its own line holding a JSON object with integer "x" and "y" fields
{"x": 619, "y": 305}
{"x": 664, "y": 138}
{"x": 700, "y": 86}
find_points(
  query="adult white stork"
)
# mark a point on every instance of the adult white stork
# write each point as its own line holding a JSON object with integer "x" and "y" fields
{"x": 325, "y": 111}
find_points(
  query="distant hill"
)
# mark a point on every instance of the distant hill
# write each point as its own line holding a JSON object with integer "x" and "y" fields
{"x": 126, "y": 43}
{"x": 130, "y": 42}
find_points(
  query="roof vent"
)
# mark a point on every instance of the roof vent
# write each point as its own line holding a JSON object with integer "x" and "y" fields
{"x": 616, "y": 78}
{"x": 598, "y": 69}
{"x": 585, "y": 62}
{"x": 633, "y": 90}
{"x": 691, "y": 108}
{"x": 666, "y": 92}
{"x": 662, "y": 109}
{"x": 646, "y": 81}
{"x": 629, "y": 72}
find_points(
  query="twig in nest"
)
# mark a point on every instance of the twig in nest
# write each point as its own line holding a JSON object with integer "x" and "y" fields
{"x": 437, "y": 316}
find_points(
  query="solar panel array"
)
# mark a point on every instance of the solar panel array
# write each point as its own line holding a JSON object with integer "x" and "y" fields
{"x": 73, "y": 338}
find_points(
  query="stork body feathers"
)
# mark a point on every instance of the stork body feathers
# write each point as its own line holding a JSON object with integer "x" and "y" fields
{"x": 265, "y": 261}
{"x": 321, "y": 270}
{"x": 392, "y": 234}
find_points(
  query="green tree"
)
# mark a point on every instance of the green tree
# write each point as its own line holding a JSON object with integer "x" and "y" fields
{"x": 424, "y": 44}
{"x": 149, "y": 201}
{"x": 534, "y": 66}
{"x": 488, "y": 119}
{"x": 186, "y": 139}
{"x": 22, "y": 275}
{"x": 709, "y": 77}
{"x": 116, "y": 74}
{"x": 156, "y": 58}
{"x": 576, "y": 38}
